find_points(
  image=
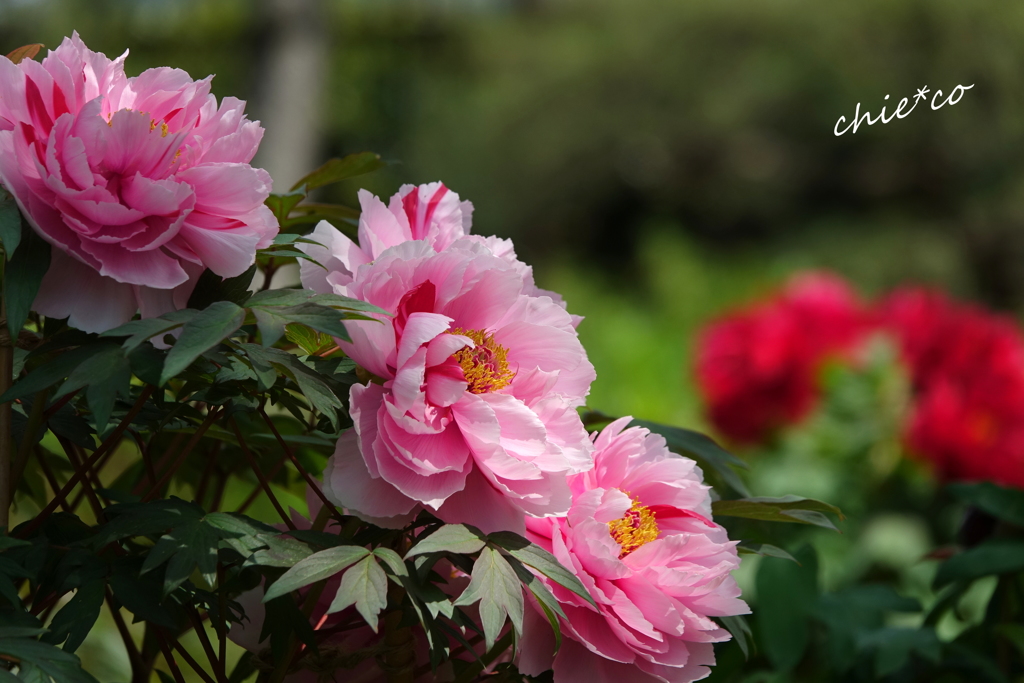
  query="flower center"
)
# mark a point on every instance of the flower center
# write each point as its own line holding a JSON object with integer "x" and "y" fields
{"x": 636, "y": 528}
{"x": 485, "y": 366}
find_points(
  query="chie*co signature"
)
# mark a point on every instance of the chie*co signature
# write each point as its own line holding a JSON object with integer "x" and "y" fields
{"x": 922, "y": 93}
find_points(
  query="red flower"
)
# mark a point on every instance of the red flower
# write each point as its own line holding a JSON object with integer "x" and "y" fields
{"x": 757, "y": 368}
{"x": 967, "y": 369}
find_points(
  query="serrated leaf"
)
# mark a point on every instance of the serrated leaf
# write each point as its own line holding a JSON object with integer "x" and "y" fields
{"x": 184, "y": 548}
{"x": 23, "y": 276}
{"x": 204, "y": 331}
{"x": 701, "y": 448}
{"x": 785, "y": 509}
{"x": 536, "y": 557}
{"x": 997, "y": 556}
{"x": 495, "y": 584}
{"x": 336, "y": 170}
{"x": 1002, "y": 503}
{"x": 317, "y": 566}
{"x": 309, "y": 382}
{"x": 452, "y": 538}
{"x": 10, "y": 224}
{"x": 366, "y": 586}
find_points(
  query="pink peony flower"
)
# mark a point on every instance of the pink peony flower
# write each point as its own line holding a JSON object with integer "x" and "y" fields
{"x": 430, "y": 212}
{"x": 757, "y": 368}
{"x": 640, "y": 537}
{"x": 139, "y": 184}
{"x": 471, "y": 412}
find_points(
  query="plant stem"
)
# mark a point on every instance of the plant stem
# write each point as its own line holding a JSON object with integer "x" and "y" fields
{"x": 108, "y": 444}
{"x": 35, "y": 420}
{"x": 210, "y": 417}
{"x": 138, "y": 668}
{"x": 295, "y": 461}
{"x": 400, "y": 653}
{"x": 169, "y": 658}
{"x": 259, "y": 475}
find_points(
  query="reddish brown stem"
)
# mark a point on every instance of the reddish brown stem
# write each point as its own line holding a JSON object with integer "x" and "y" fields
{"x": 204, "y": 640}
{"x": 259, "y": 475}
{"x": 256, "y": 491}
{"x": 295, "y": 461}
{"x": 155, "y": 491}
{"x": 58, "y": 404}
{"x": 134, "y": 656}
{"x": 50, "y": 479}
{"x": 85, "y": 475}
{"x": 108, "y": 444}
{"x": 169, "y": 657}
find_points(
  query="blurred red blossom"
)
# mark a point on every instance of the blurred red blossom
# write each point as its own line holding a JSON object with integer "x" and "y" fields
{"x": 757, "y": 367}
{"x": 967, "y": 369}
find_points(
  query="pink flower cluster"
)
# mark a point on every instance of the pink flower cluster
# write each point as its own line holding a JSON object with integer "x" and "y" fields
{"x": 139, "y": 184}
{"x": 469, "y": 412}
{"x": 758, "y": 371}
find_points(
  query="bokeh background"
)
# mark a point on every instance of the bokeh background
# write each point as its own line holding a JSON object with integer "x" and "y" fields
{"x": 657, "y": 161}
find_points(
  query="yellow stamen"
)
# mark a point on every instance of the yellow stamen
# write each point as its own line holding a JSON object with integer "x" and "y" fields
{"x": 486, "y": 364}
{"x": 636, "y": 528}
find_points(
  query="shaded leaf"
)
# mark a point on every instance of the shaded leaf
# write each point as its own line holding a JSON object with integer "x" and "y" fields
{"x": 785, "y": 509}
{"x": 17, "y": 55}
{"x": 10, "y": 224}
{"x": 998, "y": 556}
{"x": 701, "y": 448}
{"x": 336, "y": 170}
{"x": 764, "y": 549}
{"x": 75, "y": 619}
{"x": 22, "y": 278}
{"x": 1003, "y": 503}
{"x": 200, "y": 334}
{"x": 211, "y": 288}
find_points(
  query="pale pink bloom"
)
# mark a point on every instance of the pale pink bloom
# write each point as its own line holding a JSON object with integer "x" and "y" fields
{"x": 139, "y": 184}
{"x": 472, "y": 410}
{"x": 640, "y": 537}
{"x": 429, "y": 212}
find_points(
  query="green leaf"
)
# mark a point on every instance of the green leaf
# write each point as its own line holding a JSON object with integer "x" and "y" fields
{"x": 893, "y": 647}
{"x": 786, "y": 595}
{"x": 308, "y": 339}
{"x": 785, "y": 509}
{"x": 10, "y": 224}
{"x": 309, "y": 381}
{"x": 282, "y": 204}
{"x": 74, "y": 621}
{"x": 495, "y": 584}
{"x": 50, "y": 373}
{"x": 452, "y": 538}
{"x": 245, "y": 668}
{"x": 547, "y": 601}
{"x": 144, "y": 519}
{"x": 22, "y": 278}
{"x": 701, "y": 448}
{"x": 139, "y": 331}
{"x": 536, "y": 557}
{"x": 200, "y": 334}
{"x": 1003, "y": 503}
{"x": 366, "y": 586}
{"x": 740, "y": 630}
{"x": 764, "y": 549}
{"x": 141, "y": 595}
{"x": 392, "y": 560}
{"x": 211, "y": 288}
{"x": 187, "y": 546}
{"x": 336, "y": 170}
{"x": 317, "y": 566}
{"x": 998, "y": 556}
{"x": 106, "y": 373}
